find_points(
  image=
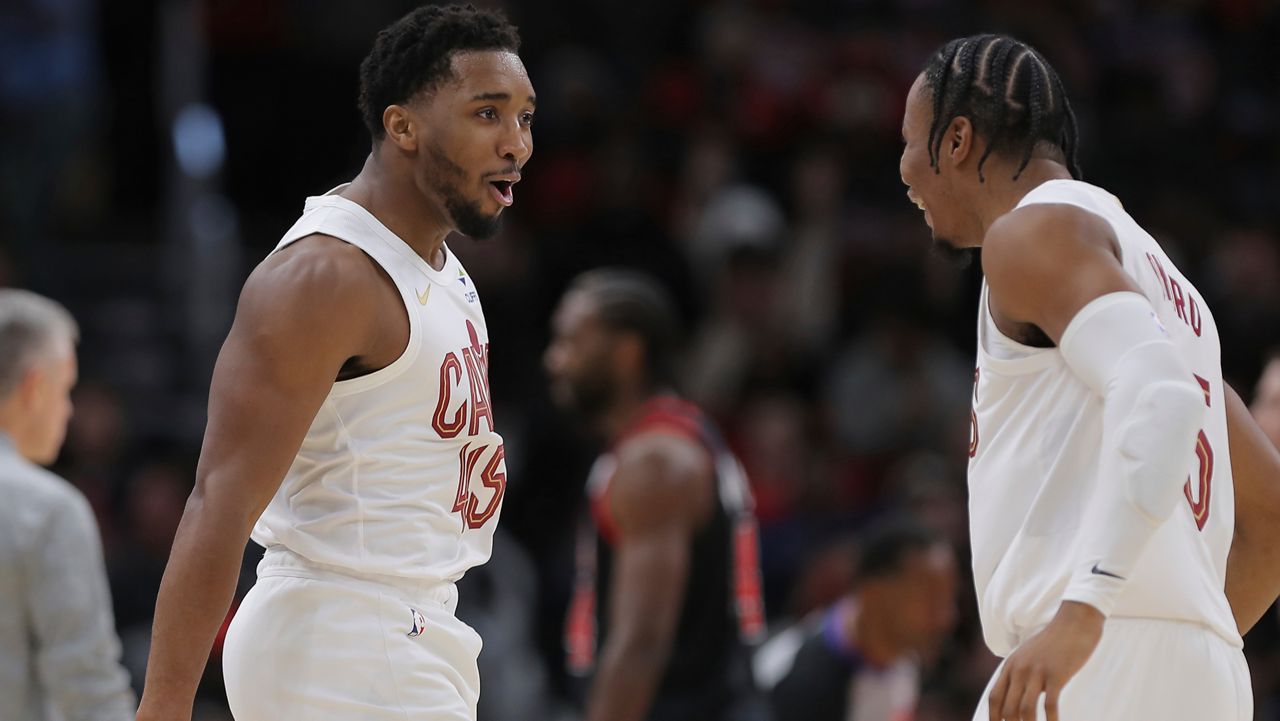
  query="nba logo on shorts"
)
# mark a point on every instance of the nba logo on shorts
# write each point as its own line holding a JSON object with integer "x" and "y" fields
{"x": 419, "y": 623}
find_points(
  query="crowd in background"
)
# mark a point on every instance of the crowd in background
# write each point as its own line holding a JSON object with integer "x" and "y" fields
{"x": 745, "y": 153}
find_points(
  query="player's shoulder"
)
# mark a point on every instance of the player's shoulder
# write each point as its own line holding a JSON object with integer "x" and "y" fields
{"x": 1045, "y": 241}
{"x": 1042, "y": 230}
{"x": 316, "y": 276}
{"x": 666, "y": 448}
{"x": 317, "y": 260}
{"x": 662, "y": 470}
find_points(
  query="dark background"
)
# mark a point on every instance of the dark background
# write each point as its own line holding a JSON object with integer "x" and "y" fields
{"x": 744, "y": 152}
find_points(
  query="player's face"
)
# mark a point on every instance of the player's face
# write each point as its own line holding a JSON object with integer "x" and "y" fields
{"x": 578, "y": 359}
{"x": 1266, "y": 402}
{"x": 48, "y": 405}
{"x": 478, "y": 135}
{"x": 924, "y": 600}
{"x": 927, "y": 187}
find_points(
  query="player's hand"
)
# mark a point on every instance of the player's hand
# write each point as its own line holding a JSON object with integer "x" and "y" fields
{"x": 1045, "y": 663}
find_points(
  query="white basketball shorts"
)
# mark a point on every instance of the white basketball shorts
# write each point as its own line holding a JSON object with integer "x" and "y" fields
{"x": 1148, "y": 669}
{"x": 314, "y": 643}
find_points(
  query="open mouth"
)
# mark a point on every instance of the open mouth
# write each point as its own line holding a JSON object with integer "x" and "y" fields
{"x": 501, "y": 190}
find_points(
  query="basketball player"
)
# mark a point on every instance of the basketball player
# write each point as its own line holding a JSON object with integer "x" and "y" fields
{"x": 1266, "y": 399}
{"x": 667, "y": 595}
{"x": 350, "y": 427}
{"x": 1102, "y": 497}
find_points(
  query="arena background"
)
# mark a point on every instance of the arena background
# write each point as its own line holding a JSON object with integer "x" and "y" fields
{"x": 744, "y": 152}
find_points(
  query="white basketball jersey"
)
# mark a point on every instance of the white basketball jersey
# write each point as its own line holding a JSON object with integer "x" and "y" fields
{"x": 401, "y": 472}
{"x": 1035, "y": 451}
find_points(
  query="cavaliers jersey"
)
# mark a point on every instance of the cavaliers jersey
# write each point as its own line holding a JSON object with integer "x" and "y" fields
{"x": 401, "y": 473}
{"x": 1035, "y": 459}
{"x": 708, "y": 676}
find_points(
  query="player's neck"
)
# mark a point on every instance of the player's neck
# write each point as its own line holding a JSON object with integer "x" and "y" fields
{"x": 396, "y": 203}
{"x": 622, "y": 413}
{"x": 1001, "y": 193}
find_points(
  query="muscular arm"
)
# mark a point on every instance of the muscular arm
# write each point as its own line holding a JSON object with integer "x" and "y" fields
{"x": 1056, "y": 267}
{"x": 302, "y": 314}
{"x": 1253, "y": 567}
{"x": 1044, "y": 263}
{"x": 663, "y": 490}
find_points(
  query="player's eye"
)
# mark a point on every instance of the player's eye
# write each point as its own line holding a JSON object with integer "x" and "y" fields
{"x": 488, "y": 114}
{"x": 526, "y": 118}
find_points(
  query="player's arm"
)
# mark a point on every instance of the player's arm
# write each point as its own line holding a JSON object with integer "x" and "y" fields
{"x": 662, "y": 491}
{"x": 1057, "y": 267}
{"x": 1253, "y": 567}
{"x": 302, "y": 314}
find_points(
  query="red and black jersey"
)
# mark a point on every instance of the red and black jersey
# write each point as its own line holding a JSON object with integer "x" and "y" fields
{"x": 708, "y": 677}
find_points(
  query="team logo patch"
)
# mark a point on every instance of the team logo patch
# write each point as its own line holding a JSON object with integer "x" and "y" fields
{"x": 419, "y": 623}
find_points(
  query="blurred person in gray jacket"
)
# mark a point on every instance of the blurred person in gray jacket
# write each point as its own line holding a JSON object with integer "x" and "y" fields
{"x": 59, "y": 654}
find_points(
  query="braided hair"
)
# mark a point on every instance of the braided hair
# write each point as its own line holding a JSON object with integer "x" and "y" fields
{"x": 1010, "y": 94}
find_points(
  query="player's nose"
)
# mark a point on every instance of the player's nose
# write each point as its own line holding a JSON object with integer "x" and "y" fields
{"x": 516, "y": 143}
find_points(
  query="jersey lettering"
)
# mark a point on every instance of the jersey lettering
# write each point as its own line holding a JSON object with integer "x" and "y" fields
{"x": 1204, "y": 480}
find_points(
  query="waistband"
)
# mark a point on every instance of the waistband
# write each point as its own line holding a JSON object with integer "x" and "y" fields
{"x": 1139, "y": 621}
{"x": 279, "y": 561}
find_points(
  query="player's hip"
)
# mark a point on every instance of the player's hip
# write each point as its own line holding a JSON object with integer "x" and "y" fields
{"x": 1158, "y": 669}
{"x": 342, "y": 647}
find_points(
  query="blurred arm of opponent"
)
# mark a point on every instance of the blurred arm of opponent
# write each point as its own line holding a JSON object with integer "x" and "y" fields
{"x": 1253, "y": 567}
{"x": 661, "y": 493}
{"x": 303, "y": 313}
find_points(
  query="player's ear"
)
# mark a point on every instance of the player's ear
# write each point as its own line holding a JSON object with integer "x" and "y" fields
{"x": 958, "y": 140}
{"x": 628, "y": 354}
{"x": 401, "y": 127}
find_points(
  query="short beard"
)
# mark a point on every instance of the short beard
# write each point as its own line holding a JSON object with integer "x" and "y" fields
{"x": 467, "y": 217}
{"x": 956, "y": 257}
{"x": 588, "y": 399}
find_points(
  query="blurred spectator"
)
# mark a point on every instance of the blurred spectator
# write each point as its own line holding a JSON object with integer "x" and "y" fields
{"x": 59, "y": 654}
{"x": 1266, "y": 399}
{"x": 48, "y": 107}
{"x": 859, "y": 660}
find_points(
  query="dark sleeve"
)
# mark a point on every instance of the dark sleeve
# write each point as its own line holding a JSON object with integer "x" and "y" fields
{"x": 817, "y": 686}
{"x": 77, "y": 652}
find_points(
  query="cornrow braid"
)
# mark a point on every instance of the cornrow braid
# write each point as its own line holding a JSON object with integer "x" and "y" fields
{"x": 1009, "y": 92}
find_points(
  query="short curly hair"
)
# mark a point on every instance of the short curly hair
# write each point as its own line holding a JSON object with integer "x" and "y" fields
{"x": 413, "y": 54}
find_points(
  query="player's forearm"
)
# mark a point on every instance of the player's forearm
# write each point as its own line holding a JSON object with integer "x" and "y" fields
{"x": 626, "y": 681}
{"x": 1253, "y": 578}
{"x": 1153, "y": 410}
{"x": 197, "y": 589}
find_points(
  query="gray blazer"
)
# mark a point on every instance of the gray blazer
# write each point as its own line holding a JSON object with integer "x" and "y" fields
{"x": 59, "y": 653}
